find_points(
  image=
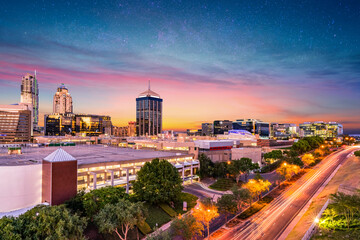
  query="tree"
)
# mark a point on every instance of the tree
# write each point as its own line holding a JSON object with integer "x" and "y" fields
{"x": 242, "y": 196}
{"x": 295, "y": 161}
{"x": 308, "y": 159}
{"x": 227, "y": 204}
{"x": 187, "y": 227}
{"x": 205, "y": 213}
{"x": 123, "y": 215}
{"x": 96, "y": 199}
{"x": 288, "y": 170}
{"x": 256, "y": 187}
{"x": 159, "y": 235}
{"x": 242, "y": 166}
{"x": 273, "y": 156}
{"x": 55, "y": 222}
{"x": 220, "y": 170}
{"x": 301, "y": 146}
{"x": 206, "y": 166}
{"x": 158, "y": 181}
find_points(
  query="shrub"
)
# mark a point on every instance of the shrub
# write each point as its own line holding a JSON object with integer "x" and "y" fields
{"x": 144, "y": 228}
{"x": 168, "y": 210}
{"x": 357, "y": 153}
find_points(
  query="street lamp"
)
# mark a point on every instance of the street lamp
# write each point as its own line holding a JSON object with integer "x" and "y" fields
{"x": 316, "y": 220}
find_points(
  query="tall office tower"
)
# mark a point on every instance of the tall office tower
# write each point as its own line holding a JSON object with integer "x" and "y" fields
{"x": 148, "y": 113}
{"x": 62, "y": 101}
{"x": 30, "y": 95}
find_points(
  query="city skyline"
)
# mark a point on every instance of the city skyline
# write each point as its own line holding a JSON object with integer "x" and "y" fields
{"x": 278, "y": 62}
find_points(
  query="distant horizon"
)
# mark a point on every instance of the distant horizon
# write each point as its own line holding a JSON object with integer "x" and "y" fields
{"x": 289, "y": 62}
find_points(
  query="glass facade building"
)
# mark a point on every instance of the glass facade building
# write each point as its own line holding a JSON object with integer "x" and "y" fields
{"x": 220, "y": 127}
{"x": 321, "y": 129}
{"x": 148, "y": 114}
{"x": 254, "y": 126}
{"x": 89, "y": 125}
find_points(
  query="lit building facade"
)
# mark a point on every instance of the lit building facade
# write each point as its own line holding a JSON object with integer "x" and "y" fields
{"x": 54, "y": 175}
{"x": 62, "y": 101}
{"x": 321, "y": 129}
{"x": 254, "y": 126}
{"x": 206, "y": 129}
{"x": 81, "y": 124}
{"x": 283, "y": 130}
{"x": 148, "y": 114}
{"x": 15, "y": 123}
{"x": 222, "y": 126}
{"x": 30, "y": 95}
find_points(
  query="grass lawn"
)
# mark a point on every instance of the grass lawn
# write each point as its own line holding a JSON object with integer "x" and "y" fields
{"x": 323, "y": 234}
{"x": 185, "y": 197}
{"x": 348, "y": 175}
{"x": 223, "y": 184}
{"x": 156, "y": 215}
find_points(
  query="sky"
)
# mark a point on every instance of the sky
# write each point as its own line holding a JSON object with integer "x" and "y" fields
{"x": 279, "y": 61}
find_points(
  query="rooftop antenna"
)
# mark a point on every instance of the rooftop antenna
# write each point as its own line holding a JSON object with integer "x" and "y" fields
{"x": 149, "y": 84}
{"x": 35, "y": 73}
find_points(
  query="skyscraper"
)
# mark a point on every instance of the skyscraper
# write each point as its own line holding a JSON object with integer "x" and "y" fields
{"x": 62, "y": 101}
{"x": 148, "y": 113}
{"x": 30, "y": 95}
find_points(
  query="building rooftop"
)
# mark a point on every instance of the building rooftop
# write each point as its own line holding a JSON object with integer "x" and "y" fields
{"x": 85, "y": 154}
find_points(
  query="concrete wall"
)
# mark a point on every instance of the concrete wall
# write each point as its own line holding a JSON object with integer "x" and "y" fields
{"x": 20, "y": 186}
{"x": 253, "y": 153}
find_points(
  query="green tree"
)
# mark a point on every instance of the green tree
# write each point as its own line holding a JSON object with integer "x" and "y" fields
{"x": 242, "y": 196}
{"x": 159, "y": 235}
{"x": 55, "y": 222}
{"x": 242, "y": 166}
{"x": 346, "y": 205}
{"x": 273, "y": 156}
{"x": 96, "y": 199}
{"x": 206, "y": 166}
{"x": 120, "y": 217}
{"x": 220, "y": 170}
{"x": 158, "y": 181}
{"x": 301, "y": 146}
{"x": 187, "y": 227}
{"x": 227, "y": 204}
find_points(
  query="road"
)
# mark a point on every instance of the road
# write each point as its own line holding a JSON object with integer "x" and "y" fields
{"x": 269, "y": 223}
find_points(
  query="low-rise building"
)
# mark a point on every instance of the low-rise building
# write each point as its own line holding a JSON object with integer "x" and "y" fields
{"x": 321, "y": 129}
{"x": 15, "y": 123}
{"x": 53, "y": 175}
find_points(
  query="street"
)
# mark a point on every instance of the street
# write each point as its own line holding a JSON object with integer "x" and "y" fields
{"x": 272, "y": 220}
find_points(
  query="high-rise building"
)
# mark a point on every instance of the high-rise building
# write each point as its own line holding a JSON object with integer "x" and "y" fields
{"x": 131, "y": 129}
{"x": 148, "y": 113}
{"x": 206, "y": 129}
{"x": 221, "y": 127}
{"x": 30, "y": 95}
{"x": 15, "y": 123}
{"x": 62, "y": 101}
{"x": 321, "y": 129}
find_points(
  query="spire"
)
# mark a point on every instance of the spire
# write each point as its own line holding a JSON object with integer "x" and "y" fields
{"x": 35, "y": 73}
{"x": 149, "y": 85}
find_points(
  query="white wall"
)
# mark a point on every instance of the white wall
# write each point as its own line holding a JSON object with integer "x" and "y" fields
{"x": 20, "y": 186}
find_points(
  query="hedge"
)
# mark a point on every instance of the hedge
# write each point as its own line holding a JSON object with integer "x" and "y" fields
{"x": 168, "y": 210}
{"x": 144, "y": 228}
